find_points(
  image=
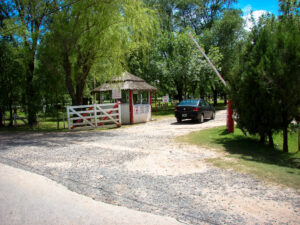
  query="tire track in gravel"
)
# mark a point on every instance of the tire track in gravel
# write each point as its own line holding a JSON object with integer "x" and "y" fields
{"x": 141, "y": 167}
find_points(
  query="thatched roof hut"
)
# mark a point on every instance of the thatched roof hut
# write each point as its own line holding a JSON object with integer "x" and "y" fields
{"x": 135, "y": 95}
{"x": 126, "y": 81}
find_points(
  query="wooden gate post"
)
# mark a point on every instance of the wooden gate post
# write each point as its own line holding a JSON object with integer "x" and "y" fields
{"x": 68, "y": 115}
{"x": 150, "y": 104}
{"x": 131, "y": 107}
{"x": 120, "y": 113}
{"x": 95, "y": 115}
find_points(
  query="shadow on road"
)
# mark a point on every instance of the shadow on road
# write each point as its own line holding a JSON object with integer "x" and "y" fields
{"x": 188, "y": 122}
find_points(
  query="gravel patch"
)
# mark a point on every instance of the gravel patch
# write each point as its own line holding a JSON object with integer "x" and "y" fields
{"x": 143, "y": 168}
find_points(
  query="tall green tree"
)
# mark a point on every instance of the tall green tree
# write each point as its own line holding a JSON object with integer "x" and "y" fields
{"x": 11, "y": 79}
{"x": 286, "y": 64}
{"x": 92, "y": 39}
{"x": 199, "y": 15}
{"x": 265, "y": 91}
{"x": 176, "y": 19}
{"x": 25, "y": 26}
{"x": 50, "y": 79}
{"x": 251, "y": 94}
{"x": 225, "y": 33}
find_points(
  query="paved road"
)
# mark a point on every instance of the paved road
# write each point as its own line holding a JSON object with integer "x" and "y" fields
{"x": 30, "y": 199}
{"x": 142, "y": 167}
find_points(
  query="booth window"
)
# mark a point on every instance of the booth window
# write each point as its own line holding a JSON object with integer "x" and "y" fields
{"x": 125, "y": 96}
{"x": 141, "y": 97}
{"x": 136, "y": 98}
{"x": 145, "y": 97}
{"x": 106, "y": 97}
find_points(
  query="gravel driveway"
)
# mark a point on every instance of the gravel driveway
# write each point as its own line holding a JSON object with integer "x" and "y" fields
{"x": 143, "y": 168}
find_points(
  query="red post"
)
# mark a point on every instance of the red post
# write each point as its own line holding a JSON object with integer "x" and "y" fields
{"x": 230, "y": 122}
{"x": 155, "y": 102}
{"x": 131, "y": 107}
{"x": 99, "y": 98}
{"x": 150, "y": 104}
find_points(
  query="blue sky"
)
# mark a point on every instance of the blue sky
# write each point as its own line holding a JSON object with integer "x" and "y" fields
{"x": 257, "y": 5}
{"x": 258, "y": 8}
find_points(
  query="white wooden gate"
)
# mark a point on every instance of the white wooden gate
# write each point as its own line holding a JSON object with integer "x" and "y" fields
{"x": 97, "y": 115}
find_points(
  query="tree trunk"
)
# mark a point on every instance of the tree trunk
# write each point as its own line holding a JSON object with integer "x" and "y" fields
{"x": 299, "y": 137}
{"x": 68, "y": 79}
{"x": 285, "y": 139}
{"x": 179, "y": 94}
{"x": 179, "y": 88}
{"x": 298, "y": 123}
{"x": 262, "y": 138}
{"x": 201, "y": 92}
{"x": 57, "y": 117}
{"x": 225, "y": 99}
{"x": 11, "y": 119}
{"x": 1, "y": 117}
{"x": 270, "y": 137}
{"x": 215, "y": 96}
{"x": 79, "y": 94}
{"x": 30, "y": 93}
{"x": 244, "y": 132}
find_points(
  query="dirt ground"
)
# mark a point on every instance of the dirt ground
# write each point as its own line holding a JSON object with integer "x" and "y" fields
{"x": 141, "y": 167}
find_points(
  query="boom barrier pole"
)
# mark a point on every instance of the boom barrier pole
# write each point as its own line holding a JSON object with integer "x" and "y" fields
{"x": 230, "y": 122}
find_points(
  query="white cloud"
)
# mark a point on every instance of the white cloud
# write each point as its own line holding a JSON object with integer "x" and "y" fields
{"x": 247, "y": 9}
{"x": 256, "y": 15}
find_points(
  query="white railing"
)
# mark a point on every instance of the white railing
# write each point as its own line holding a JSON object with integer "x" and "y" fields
{"x": 93, "y": 116}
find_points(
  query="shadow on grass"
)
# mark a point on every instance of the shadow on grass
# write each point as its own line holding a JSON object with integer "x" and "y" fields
{"x": 249, "y": 148}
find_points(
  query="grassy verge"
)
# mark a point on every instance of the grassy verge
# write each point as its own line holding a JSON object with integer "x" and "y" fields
{"x": 247, "y": 155}
{"x": 163, "y": 113}
{"x": 220, "y": 106}
{"x": 43, "y": 126}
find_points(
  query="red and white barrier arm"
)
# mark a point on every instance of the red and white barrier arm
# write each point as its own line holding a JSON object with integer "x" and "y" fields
{"x": 206, "y": 57}
{"x": 230, "y": 122}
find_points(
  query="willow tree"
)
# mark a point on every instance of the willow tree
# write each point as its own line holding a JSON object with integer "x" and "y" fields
{"x": 91, "y": 38}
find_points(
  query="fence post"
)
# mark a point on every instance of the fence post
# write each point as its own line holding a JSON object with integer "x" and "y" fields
{"x": 95, "y": 116}
{"x": 15, "y": 119}
{"x": 68, "y": 115}
{"x": 63, "y": 114}
{"x": 119, "y": 110}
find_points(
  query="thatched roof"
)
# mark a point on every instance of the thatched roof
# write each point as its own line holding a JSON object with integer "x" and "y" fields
{"x": 125, "y": 82}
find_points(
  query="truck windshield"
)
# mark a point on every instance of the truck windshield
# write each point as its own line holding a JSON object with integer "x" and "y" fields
{"x": 189, "y": 102}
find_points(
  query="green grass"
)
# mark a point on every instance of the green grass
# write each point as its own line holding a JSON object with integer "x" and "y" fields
{"x": 46, "y": 124}
{"x": 43, "y": 126}
{"x": 247, "y": 155}
{"x": 220, "y": 106}
{"x": 163, "y": 113}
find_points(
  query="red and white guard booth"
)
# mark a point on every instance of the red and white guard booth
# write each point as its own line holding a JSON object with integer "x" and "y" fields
{"x": 134, "y": 94}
